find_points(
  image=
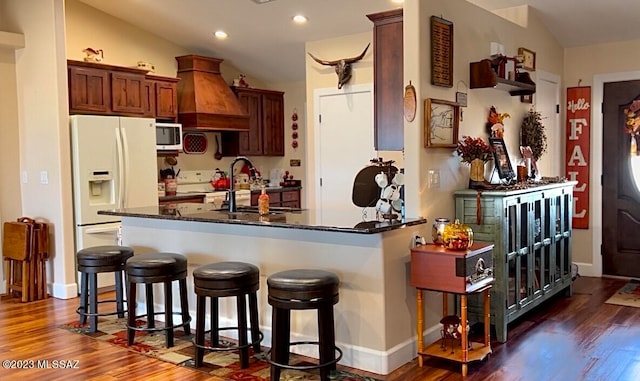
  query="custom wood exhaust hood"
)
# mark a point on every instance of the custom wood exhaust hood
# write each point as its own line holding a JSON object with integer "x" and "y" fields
{"x": 205, "y": 101}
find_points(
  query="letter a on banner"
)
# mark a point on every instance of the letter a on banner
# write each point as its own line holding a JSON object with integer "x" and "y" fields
{"x": 577, "y": 154}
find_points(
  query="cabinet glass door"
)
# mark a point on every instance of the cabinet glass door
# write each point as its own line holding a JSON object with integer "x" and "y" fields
{"x": 548, "y": 231}
{"x": 538, "y": 212}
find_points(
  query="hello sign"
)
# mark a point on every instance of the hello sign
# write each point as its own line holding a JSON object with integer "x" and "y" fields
{"x": 577, "y": 154}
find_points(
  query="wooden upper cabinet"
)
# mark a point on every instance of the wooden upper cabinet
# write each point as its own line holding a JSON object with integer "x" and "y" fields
{"x": 127, "y": 93}
{"x": 89, "y": 90}
{"x": 113, "y": 90}
{"x": 388, "y": 72}
{"x": 166, "y": 92}
{"x": 265, "y": 136}
{"x": 273, "y": 124}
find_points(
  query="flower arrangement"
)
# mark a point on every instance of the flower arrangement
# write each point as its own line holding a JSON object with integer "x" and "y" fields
{"x": 470, "y": 148}
{"x": 632, "y": 126}
{"x": 496, "y": 122}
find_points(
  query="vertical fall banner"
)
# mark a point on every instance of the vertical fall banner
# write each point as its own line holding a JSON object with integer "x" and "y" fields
{"x": 578, "y": 140}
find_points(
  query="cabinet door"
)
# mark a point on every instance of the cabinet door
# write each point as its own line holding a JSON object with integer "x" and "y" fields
{"x": 250, "y": 142}
{"x": 273, "y": 124}
{"x": 149, "y": 99}
{"x": 166, "y": 100}
{"x": 388, "y": 80}
{"x": 88, "y": 90}
{"x": 127, "y": 93}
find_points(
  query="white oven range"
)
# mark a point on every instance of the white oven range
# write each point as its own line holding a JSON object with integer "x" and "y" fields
{"x": 199, "y": 182}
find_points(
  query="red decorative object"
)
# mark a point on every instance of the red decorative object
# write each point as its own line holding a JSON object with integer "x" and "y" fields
{"x": 294, "y": 144}
{"x": 294, "y": 135}
{"x": 577, "y": 154}
{"x": 294, "y": 126}
{"x": 294, "y": 116}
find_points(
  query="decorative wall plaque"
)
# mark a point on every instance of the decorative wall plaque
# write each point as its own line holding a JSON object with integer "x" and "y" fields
{"x": 441, "y": 52}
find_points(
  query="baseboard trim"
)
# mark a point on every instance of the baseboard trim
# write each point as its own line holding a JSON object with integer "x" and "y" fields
{"x": 63, "y": 291}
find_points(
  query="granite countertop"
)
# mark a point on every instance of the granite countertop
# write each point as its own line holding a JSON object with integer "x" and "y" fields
{"x": 290, "y": 218}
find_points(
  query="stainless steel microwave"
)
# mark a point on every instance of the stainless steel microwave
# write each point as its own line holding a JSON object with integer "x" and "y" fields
{"x": 168, "y": 136}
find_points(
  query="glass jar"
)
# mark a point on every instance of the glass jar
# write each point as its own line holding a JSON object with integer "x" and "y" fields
{"x": 437, "y": 230}
{"x": 457, "y": 236}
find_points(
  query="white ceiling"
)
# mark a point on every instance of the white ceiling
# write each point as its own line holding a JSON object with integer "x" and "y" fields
{"x": 265, "y": 44}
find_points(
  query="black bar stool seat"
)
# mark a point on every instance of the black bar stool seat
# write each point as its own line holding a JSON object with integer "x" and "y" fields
{"x": 223, "y": 279}
{"x": 303, "y": 289}
{"x": 157, "y": 268}
{"x": 90, "y": 262}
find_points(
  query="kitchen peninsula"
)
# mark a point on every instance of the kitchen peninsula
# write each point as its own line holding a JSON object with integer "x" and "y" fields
{"x": 375, "y": 317}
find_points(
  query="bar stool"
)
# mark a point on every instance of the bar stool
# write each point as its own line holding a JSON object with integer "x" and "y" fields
{"x": 303, "y": 289}
{"x": 223, "y": 279}
{"x": 157, "y": 268}
{"x": 94, "y": 260}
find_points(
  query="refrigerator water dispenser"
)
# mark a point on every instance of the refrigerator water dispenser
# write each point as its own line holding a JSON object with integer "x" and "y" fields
{"x": 100, "y": 187}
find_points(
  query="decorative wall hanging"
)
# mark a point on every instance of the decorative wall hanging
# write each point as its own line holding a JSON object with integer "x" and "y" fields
{"x": 441, "y": 123}
{"x": 342, "y": 66}
{"x": 409, "y": 102}
{"x": 195, "y": 142}
{"x": 441, "y": 52}
{"x": 501, "y": 159}
{"x": 495, "y": 123}
{"x": 93, "y": 55}
{"x": 294, "y": 127}
{"x": 577, "y": 153}
{"x": 528, "y": 59}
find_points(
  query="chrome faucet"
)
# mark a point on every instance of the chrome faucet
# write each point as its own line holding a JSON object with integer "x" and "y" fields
{"x": 232, "y": 191}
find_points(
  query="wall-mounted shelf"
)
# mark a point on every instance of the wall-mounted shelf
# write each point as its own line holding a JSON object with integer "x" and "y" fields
{"x": 481, "y": 75}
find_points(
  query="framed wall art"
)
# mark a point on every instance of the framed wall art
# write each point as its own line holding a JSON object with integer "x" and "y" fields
{"x": 528, "y": 59}
{"x": 441, "y": 123}
{"x": 441, "y": 52}
{"x": 501, "y": 159}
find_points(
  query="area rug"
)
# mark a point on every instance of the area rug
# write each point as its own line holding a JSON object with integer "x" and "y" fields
{"x": 628, "y": 295}
{"x": 221, "y": 364}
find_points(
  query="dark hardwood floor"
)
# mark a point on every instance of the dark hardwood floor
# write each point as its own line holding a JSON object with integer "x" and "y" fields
{"x": 575, "y": 338}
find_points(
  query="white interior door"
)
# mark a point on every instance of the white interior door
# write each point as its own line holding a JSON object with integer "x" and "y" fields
{"x": 344, "y": 145}
{"x": 547, "y": 100}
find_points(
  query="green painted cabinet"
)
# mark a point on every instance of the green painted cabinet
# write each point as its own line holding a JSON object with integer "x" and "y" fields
{"x": 531, "y": 231}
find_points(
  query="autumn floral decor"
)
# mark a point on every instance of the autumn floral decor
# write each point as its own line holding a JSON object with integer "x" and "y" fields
{"x": 470, "y": 148}
{"x": 495, "y": 122}
{"x": 632, "y": 126}
{"x": 533, "y": 135}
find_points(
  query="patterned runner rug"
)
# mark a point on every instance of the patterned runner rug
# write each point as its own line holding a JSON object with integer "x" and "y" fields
{"x": 628, "y": 295}
{"x": 224, "y": 364}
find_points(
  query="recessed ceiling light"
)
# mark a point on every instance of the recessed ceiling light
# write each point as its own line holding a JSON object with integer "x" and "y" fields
{"x": 220, "y": 34}
{"x": 299, "y": 19}
{"x": 397, "y": 1}
{"x": 261, "y": 1}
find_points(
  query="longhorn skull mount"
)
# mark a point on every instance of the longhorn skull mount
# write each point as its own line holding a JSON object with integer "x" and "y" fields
{"x": 342, "y": 66}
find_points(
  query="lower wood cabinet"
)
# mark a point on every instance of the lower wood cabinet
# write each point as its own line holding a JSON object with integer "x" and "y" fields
{"x": 280, "y": 197}
{"x": 531, "y": 231}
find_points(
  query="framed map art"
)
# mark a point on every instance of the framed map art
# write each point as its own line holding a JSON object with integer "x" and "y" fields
{"x": 441, "y": 123}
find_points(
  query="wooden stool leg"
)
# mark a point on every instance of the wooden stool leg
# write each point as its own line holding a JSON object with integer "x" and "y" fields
{"x": 277, "y": 336}
{"x": 184, "y": 305}
{"x": 242, "y": 331}
{"x": 93, "y": 302}
{"x": 168, "y": 313}
{"x": 326, "y": 338}
{"x": 119, "y": 296}
{"x": 253, "y": 320}
{"x": 151, "y": 321}
{"x": 200, "y": 309}
{"x": 420, "y": 325}
{"x": 215, "y": 324}
{"x": 84, "y": 297}
{"x": 131, "y": 313}
{"x": 31, "y": 284}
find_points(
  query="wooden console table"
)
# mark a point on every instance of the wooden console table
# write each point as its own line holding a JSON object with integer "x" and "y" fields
{"x": 427, "y": 260}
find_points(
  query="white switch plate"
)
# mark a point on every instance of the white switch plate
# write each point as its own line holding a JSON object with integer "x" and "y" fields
{"x": 434, "y": 178}
{"x": 25, "y": 177}
{"x": 44, "y": 177}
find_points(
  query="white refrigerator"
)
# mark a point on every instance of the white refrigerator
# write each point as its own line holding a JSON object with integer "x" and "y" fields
{"x": 114, "y": 167}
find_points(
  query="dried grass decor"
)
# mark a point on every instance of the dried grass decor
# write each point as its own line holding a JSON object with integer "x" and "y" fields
{"x": 532, "y": 134}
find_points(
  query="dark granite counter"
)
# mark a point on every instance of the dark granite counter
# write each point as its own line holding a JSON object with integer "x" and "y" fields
{"x": 278, "y": 217}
